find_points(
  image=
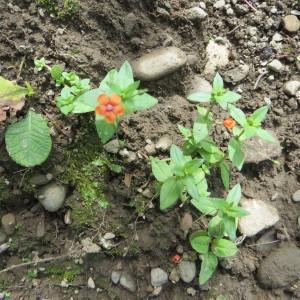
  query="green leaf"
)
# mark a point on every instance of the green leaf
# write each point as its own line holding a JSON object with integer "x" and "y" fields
{"x": 259, "y": 115}
{"x": 216, "y": 227}
{"x": 139, "y": 102}
{"x": 28, "y": 141}
{"x": 235, "y": 153}
{"x": 169, "y": 193}
{"x": 193, "y": 166}
{"x": 105, "y": 130}
{"x": 108, "y": 81}
{"x": 230, "y": 226}
{"x": 186, "y": 132}
{"x": 56, "y": 72}
{"x": 265, "y": 135}
{"x": 225, "y": 174}
{"x": 218, "y": 83}
{"x": 200, "y": 97}
{"x": 191, "y": 186}
{"x": 208, "y": 206}
{"x": 86, "y": 102}
{"x": 249, "y": 132}
{"x": 200, "y": 131}
{"x": 235, "y": 211}
{"x": 125, "y": 76}
{"x": 223, "y": 248}
{"x": 238, "y": 115}
{"x": 229, "y": 97}
{"x": 176, "y": 156}
{"x": 208, "y": 267}
{"x": 160, "y": 169}
{"x": 11, "y": 92}
{"x": 200, "y": 242}
{"x": 234, "y": 195}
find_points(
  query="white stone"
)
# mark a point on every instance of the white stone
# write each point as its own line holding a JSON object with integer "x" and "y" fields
{"x": 196, "y": 14}
{"x": 164, "y": 143}
{"x": 219, "y": 4}
{"x": 91, "y": 283}
{"x": 261, "y": 216}
{"x": 291, "y": 87}
{"x": 276, "y": 66}
{"x": 89, "y": 246}
{"x": 158, "y": 277}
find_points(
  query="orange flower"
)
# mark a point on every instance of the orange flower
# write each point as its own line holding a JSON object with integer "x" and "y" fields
{"x": 229, "y": 123}
{"x": 110, "y": 107}
{"x": 176, "y": 259}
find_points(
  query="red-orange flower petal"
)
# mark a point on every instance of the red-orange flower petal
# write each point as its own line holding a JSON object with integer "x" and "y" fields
{"x": 110, "y": 117}
{"x": 115, "y": 99}
{"x": 229, "y": 123}
{"x": 103, "y": 99}
{"x": 119, "y": 110}
{"x": 100, "y": 110}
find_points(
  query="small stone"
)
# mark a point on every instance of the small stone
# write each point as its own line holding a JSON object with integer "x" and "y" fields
{"x": 291, "y": 87}
{"x": 266, "y": 242}
{"x": 52, "y": 196}
{"x": 186, "y": 222}
{"x": 179, "y": 249}
{"x": 150, "y": 149}
{"x": 40, "y": 230}
{"x": 291, "y": 23}
{"x": 41, "y": 179}
{"x": 159, "y": 63}
{"x": 8, "y": 222}
{"x": 187, "y": 271}
{"x": 257, "y": 150}
{"x": 115, "y": 276}
{"x": 199, "y": 84}
{"x": 89, "y": 246}
{"x": 196, "y": 14}
{"x": 174, "y": 276}
{"x": 109, "y": 236}
{"x": 277, "y": 37}
{"x": 296, "y": 196}
{"x": 3, "y": 237}
{"x": 261, "y": 216}
{"x": 131, "y": 25}
{"x": 91, "y": 283}
{"x": 131, "y": 157}
{"x": 191, "y": 291}
{"x": 158, "y": 277}
{"x": 280, "y": 268}
{"x": 67, "y": 217}
{"x": 128, "y": 282}
{"x": 112, "y": 147}
{"x": 237, "y": 74}
{"x": 157, "y": 291}
{"x": 164, "y": 143}
{"x": 276, "y": 66}
{"x": 219, "y": 4}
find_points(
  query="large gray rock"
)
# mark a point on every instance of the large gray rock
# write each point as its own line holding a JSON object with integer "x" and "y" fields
{"x": 187, "y": 271}
{"x": 158, "y": 277}
{"x": 280, "y": 268}
{"x": 52, "y": 196}
{"x": 257, "y": 149}
{"x": 159, "y": 63}
{"x": 261, "y": 216}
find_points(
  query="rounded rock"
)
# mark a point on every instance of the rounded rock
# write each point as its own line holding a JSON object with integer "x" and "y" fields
{"x": 115, "y": 276}
{"x": 291, "y": 23}
{"x": 158, "y": 277}
{"x": 8, "y": 222}
{"x": 291, "y": 87}
{"x": 127, "y": 282}
{"x": 187, "y": 271}
{"x": 296, "y": 196}
{"x": 196, "y": 14}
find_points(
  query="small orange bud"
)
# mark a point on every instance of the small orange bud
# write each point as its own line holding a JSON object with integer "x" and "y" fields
{"x": 229, "y": 123}
{"x": 176, "y": 259}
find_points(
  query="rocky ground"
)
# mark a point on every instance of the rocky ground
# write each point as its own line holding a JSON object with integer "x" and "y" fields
{"x": 124, "y": 248}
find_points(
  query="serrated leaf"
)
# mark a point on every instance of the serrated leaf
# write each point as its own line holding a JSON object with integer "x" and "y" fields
{"x": 200, "y": 242}
{"x": 160, "y": 169}
{"x": 208, "y": 267}
{"x": 224, "y": 248}
{"x": 28, "y": 141}
{"x": 169, "y": 193}
{"x": 105, "y": 130}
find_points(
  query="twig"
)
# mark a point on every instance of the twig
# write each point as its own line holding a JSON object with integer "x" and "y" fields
{"x": 259, "y": 79}
{"x": 233, "y": 30}
{"x": 21, "y": 67}
{"x": 250, "y": 5}
{"x": 261, "y": 244}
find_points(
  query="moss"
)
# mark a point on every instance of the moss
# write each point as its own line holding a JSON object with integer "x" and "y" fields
{"x": 140, "y": 205}
{"x": 60, "y": 272}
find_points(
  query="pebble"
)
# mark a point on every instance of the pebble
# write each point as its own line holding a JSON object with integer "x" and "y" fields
{"x": 115, "y": 276}
{"x": 164, "y": 143}
{"x": 109, "y": 236}
{"x": 67, "y": 217}
{"x": 261, "y": 216}
{"x": 237, "y": 74}
{"x": 291, "y": 87}
{"x": 127, "y": 282}
{"x": 40, "y": 229}
{"x": 219, "y": 4}
{"x": 196, "y": 14}
{"x": 280, "y": 268}
{"x": 174, "y": 276}
{"x": 157, "y": 291}
{"x": 112, "y": 146}
{"x": 257, "y": 149}
{"x": 150, "y": 149}
{"x": 277, "y": 37}
{"x": 91, "y": 283}
{"x": 291, "y": 23}
{"x": 187, "y": 271}
{"x": 191, "y": 291}
{"x": 89, "y": 246}
{"x": 8, "y": 222}
{"x": 158, "y": 277}
{"x": 199, "y": 84}
{"x": 296, "y": 196}
{"x": 159, "y": 63}
{"x": 52, "y": 196}
{"x": 41, "y": 179}
{"x": 276, "y": 66}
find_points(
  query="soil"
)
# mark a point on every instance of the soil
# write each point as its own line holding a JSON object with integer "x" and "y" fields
{"x": 97, "y": 38}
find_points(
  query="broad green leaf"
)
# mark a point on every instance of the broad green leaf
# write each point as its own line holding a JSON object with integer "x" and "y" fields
{"x": 11, "y": 92}
{"x": 200, "y": 242}
{"x": 265, "y": 135}
{"x": 235, "y": 211}
{"x": 211, "y": 158}
{"x": 249, "y": 132}
{"x": 208, "y": 206}
{"x": 200, "y": 131}
{"x": 125, "y": 76}
{"x": 139, "y": 102}
{"x": 105, "y": 130}
{"x": 218, "y": 83}
{"x": 28, "y": 141}
{"x": 87, "y": 102}
{"x": 208, "y": 267}
{"x": 186, "y": 132}
{"x": 230, "y": 226}
{"x": 191, "y": 186}
{"x": 176, "y": 155}
{"x": 229, "y": 97}
{"x": 169, "y": 193}
{"x": 238, "y": 115}
{"x": 234, "y": 195}
{"x": 160, "y": 169}
{"x": 200, "y": 97}
{"x": 225, "y": 174}
{"x": 56, "y": 72}
{"x": 216, "y": 227}
{"x": 259, "y": 115}
{"x": 108, "y": 81}
{"x": 131, "y": 90}
{"x": 221, "y": 297}
{"x": 235, "y": 153}
{"x": 223, "y": 248}
{"x": 193, "y": 166}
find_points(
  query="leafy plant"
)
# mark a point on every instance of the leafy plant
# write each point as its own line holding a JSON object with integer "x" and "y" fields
{"x": 62, "y": 9}
{"x": 184, "y": 176}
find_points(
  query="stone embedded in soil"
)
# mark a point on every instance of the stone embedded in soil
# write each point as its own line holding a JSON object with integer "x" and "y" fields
{"x": 41, "y": 179}
{"x": 195, "y": 14}
{"x": 265, "y": 243}
{"x": 158, "y": 277}
{"x": 174, "y": 276}
{"x": 127, "y": 281}
{"x": 257, "y": 150}
{"x": 8, "y": 222}
{"x": 159, "y": 63}
{"x": 164, "y": 143}
{"x": 89, "y": 246}
{"x": 219, "y": 4}
{"x": 157, "y": 291}
{"x": 52, "y": 196}
{"x": 3, "y": 237}
{"x": 291, "y": 23}
{"x": 115, "y": 276}
{"x": 191, "y": 291}
{"x": 296, "y": 196}
{"x": 261, "y": 216}
{"x": 112, "y": 146}
{"x": 280, "y": 268}
{"x": 199, "y": 84}
{"x": 291, "y": 87}
{"x": 276, "y": 66}
{"x": 187, "y": 271}
{"x": 91, "y": 283}
{"x": 237, "y": 74}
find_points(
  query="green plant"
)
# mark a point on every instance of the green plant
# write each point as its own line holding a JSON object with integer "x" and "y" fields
{"x": 31, "y": 274}
{"x": 185, "y": 175}
{"x": 62, "y": 9}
